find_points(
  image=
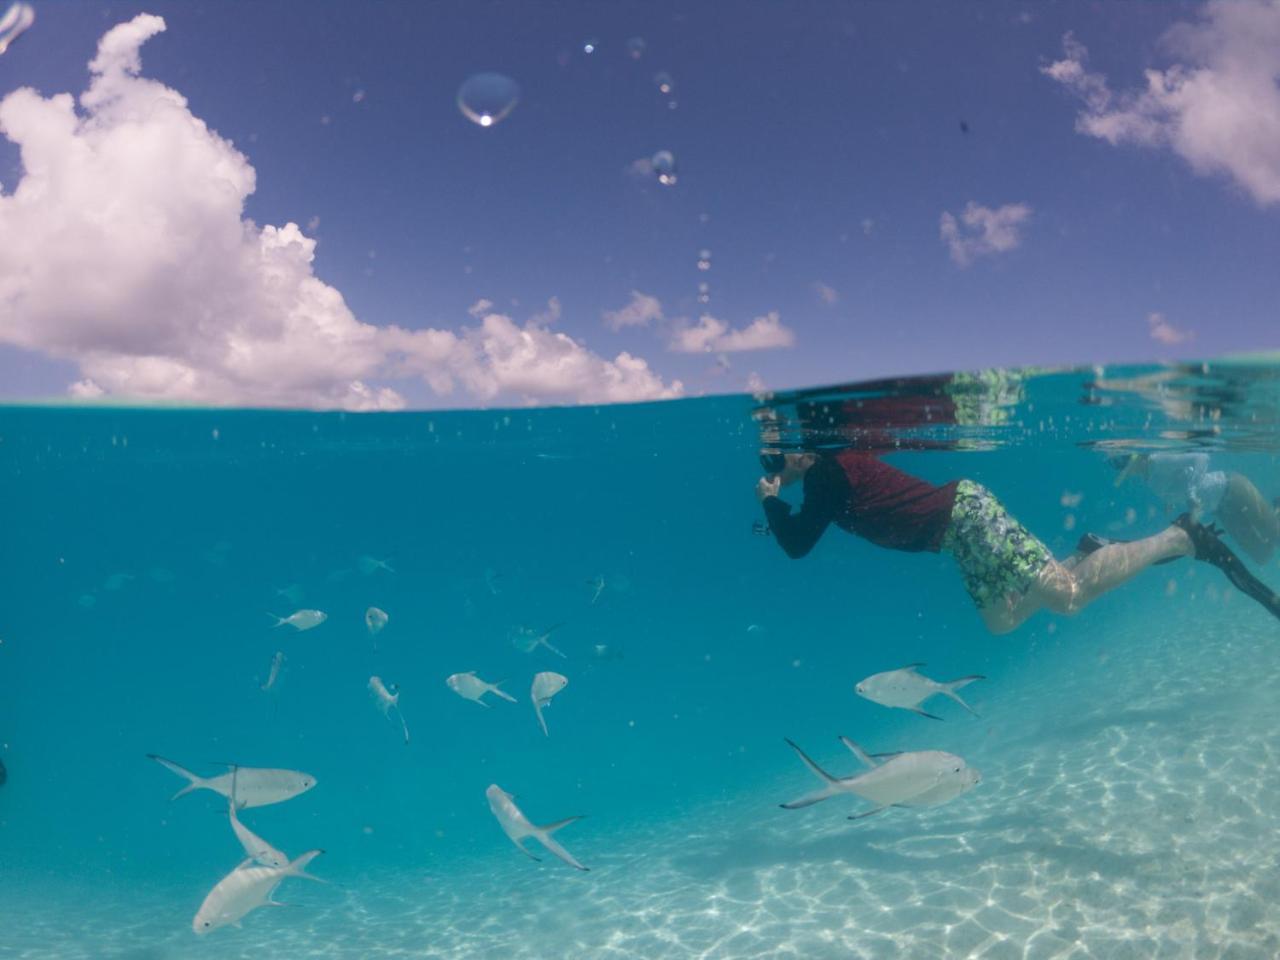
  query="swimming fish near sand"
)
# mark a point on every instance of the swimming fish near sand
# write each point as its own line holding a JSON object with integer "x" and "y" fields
{"x": 245, "y": 889}
{"x": 527, "y": 639}
{"x": 947, "y": 789}
{"x": 470, "y": 687}
{"x": 517, "y": 826}
{"x": 899, "y": 779}
{"x": 302, "y": 619}
{"x": 906, "y": 689}
{"x": 256, "y": 786}
{"x": 255, "y": 848}
{"x": 388, "y": 701}
{"x": 545, "y": 686}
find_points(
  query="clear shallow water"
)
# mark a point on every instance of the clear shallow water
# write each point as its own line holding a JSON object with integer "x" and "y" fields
{"x": 1128, "y": 755}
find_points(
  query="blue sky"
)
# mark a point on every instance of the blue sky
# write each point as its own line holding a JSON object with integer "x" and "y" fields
{"x": 819, "y": 147}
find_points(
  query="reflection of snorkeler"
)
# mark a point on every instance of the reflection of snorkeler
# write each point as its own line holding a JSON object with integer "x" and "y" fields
{"x": 1007, "y": 571}
{"x": 1185, "y": 483}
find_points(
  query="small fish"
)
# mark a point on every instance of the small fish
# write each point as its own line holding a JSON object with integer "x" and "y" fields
{"x": 257, "y": 786}
{"x": 899, "y": 779}
{"x": 597, "y": 584}
{"x": 293, "y": 593}
{"x": 545, "y": 686}
{"x": 302, "y": 619}
{"x": 276, "y": 663}
{"x": 526, "y": 639}
{"x": 470, "y": 687}
{"x": 517, "y": 826}
{"x": 375, "y": 619}
{"x": 907, "y": 689}
{"x": 388, "y": 700}
{"x": 603, "y": 651}
{"x": 245, "y": 889}
{"x": 371, "y": 565}
{"x": 255, "y": 848}
{"x": 16, "y": 21}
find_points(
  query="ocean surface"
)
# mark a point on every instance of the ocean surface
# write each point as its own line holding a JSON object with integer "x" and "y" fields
{"x": 1128, "y": 805}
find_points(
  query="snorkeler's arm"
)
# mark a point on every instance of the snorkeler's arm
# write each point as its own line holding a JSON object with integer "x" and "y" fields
{"x": 797, "y": 532}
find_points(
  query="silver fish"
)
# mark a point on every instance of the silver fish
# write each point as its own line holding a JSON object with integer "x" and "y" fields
{"x": 255, "y": 848}
{"x": 276, "y": 663}
{"x": 517, "y": 826}
{"x": 388, "y": 701}
{"x": 545, "y": 686}
{"x": 470, "y": 687}
{"x": 302, "y": 619}
{"x": 375, "y": 619}
{"x": 245, "y": 889}
{"x": 906, "y": 688}
{"x": 256, "y": 786}
{"x": 527, "y": 639}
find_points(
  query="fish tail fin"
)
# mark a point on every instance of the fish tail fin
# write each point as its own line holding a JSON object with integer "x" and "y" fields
{"x": 279, "y": 621}
{"x": 951, "y": 686}
{"x": 197, "y": 782}
{"x": 298, "y": 867}
{"x": 494, "y": 688}
{"x": 541, "y": 722}
{"x": 556, "y": 650}
{"x": 403, "y": 726}
{"x": 858, "y": 752}
{"x": 553, "y": 827}
{"x": 545, "y": 838}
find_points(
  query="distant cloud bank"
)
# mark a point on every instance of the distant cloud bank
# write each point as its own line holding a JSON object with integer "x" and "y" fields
{"x": 137, "y": 264}
{"x": 1218, "y": 109}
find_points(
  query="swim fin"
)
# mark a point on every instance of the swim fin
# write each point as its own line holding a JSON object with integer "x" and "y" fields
{"x": 1210, "y": 548}
{"x": 1092, "y": 542}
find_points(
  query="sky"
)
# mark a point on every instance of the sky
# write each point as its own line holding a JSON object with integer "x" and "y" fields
{"x": 283, "y": 205}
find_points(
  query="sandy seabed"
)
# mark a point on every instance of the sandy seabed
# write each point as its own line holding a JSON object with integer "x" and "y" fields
{"x": 1130, "y": 811}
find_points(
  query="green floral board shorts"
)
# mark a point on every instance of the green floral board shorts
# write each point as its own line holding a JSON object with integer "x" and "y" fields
{"x": 997, "y": 555}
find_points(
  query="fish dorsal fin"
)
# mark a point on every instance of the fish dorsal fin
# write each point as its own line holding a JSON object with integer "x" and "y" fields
{"x": 858, "y": 752}
{"x": 912, "y": 667}
{"x": 817, "y": 770}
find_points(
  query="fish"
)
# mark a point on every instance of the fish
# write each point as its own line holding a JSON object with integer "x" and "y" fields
{"x": 900, "y": 778}
{"x": 526, "y": 639}
{"x": 470, "y": 687}
{"x": 293, "y": 593}
{"x": 597, "y": 584}
{"x": 276, "y": 663}
{"x": 245, "y": 889}
{"x": 545, "y": 686}
{"x": 603, "y": 651}
{"x": 388, "y": 701}
{"x": 371, "y": 565}
{"x": 375, "y": 619}
{"x": 947, "y": 789}
{"x": 255, "y": 848}
{"x": 906, "y": 688}
{"x": 517, "y": 826}
{"x": 302, "y": 619}
{"x": 257, "y": 786}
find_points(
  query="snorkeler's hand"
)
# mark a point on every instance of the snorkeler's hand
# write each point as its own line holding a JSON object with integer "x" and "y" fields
{"x": 767, "y": 487}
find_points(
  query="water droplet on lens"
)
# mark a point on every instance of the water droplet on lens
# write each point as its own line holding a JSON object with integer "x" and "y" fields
{"x": 704, "y": 259}
{"x": 664, "y": 166}
{"x": 590, "y": 45}
{"x": 635, "y": 48}
{"x": 488, "y": 98}
{"x": 664, "y": 82}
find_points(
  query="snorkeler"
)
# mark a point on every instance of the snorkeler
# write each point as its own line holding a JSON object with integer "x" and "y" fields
{"x": 1007, "y": 570}
{"x": 1186, "y": 485}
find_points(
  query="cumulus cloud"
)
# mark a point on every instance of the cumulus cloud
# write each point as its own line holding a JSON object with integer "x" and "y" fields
{"x": 137, "y": 264}
{"x": 1217, "y": 107}
{"x": 709, "y": 334}
{"x": 1164, "y": 332}
{"x": 981, "y": 231}
{"x": 640, "y": 311}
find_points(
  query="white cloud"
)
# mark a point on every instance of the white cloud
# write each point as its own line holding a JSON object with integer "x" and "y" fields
{"x": 982, "y": 231}
{"x": 709, "y": 334}
{"x": 828, "y": 295}
{"x": 137, "y": 264}
{"x": 1218, "y": 108}
{"x": 640, "y": 311}
{"x": 1164, "y": 332}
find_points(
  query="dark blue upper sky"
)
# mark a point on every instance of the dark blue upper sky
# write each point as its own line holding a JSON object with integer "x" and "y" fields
{"x": 818, "y": 146}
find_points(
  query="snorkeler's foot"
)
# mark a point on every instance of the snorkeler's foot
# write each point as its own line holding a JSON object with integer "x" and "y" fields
{"x": 1210, "y": 548}
{"x": 1092, "y": 542}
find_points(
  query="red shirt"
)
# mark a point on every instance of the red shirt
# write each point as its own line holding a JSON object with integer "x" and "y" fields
{"x": 861, "y": 494}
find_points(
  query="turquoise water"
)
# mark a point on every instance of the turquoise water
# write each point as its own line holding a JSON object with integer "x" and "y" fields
{"x": 1128, "y": 755}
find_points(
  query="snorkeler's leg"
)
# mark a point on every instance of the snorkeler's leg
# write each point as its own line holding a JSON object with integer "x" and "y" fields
{"x": 1069, "y": 590}
{"x": 1250, "y": 520}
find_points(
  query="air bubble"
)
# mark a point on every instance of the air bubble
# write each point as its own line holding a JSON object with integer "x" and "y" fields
{"x": 665, "y": 84}
{"x": 589, "y": 46}
{"x": 664, "y": 167}
{"x": 704, "y": 259}
{"x": 488, "y": 98}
